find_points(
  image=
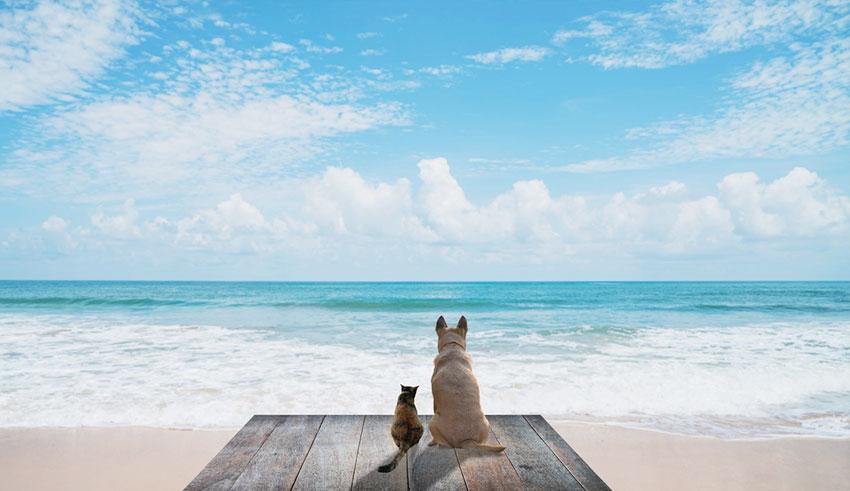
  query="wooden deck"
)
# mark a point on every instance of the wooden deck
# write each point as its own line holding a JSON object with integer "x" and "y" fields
{"x": 343, "y": 452}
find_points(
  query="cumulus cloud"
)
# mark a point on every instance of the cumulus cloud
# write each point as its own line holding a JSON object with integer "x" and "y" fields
{"x": 508, "y": 55}
{"x": 340, "y": 211}
{"x": 799, "y": 203}
{"x": 121, "y": 225}
{"x": 54, "y": 224}
{"x": 54, "y": 50}
{"x": 342, "y": 202}
{"x": 231, "y": 221}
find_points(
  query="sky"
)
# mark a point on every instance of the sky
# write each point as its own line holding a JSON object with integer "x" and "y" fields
{"x": 679, "y": 140}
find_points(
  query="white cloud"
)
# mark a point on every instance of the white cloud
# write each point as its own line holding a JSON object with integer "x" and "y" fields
{"x": 341, "y": 214}
{"x": 508, "y": 55}
{"x": 54, "y": 224}
{"x": 54, "y": 50}
{"x": 342, "y": 202}
{"x": 281, "y": 47}
{"x": 394, "y": 18}
{"x": 789, "y": 106}
{"x": 222, "y": 224}
{"x": 340, "y": 209}
{"x": 368, "y": 35}
{"x": 671, "y": 189}
{"x": 312, "y": 47}
{"x": 122, "y": 225}
{"x": 373, "y": 52}
{"x": 219, "y": 114}
{"x": 799, "y": 203}
{"x": 440, "y": 70}
{"x": 683, "y": 31}
{"x": 702, "y": 224}
{"x": 152, "y": 134}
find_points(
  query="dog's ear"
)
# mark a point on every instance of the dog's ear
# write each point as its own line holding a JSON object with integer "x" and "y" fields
{"x": 461, "y": 324}
{"x": 441, "y": 324}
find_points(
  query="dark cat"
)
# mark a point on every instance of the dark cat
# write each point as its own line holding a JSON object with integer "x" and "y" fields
{"x": 407, "y": 428}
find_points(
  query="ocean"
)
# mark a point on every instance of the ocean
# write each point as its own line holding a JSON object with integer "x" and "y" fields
{"x": 732, "y": 360}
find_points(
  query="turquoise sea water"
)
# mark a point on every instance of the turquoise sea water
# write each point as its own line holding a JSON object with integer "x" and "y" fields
{"x": 727, "y": 359}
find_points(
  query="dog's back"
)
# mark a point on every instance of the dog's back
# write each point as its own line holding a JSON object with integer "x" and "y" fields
{"x": 458, "y": 420}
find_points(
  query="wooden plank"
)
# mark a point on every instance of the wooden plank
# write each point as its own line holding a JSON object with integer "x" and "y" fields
{"x": 277, "y": 462}
{"x": 589, "y": 480}
{"x": 536, "y": 465}
{"x": 433, "y": 468}
{"x": 224, "y": 468}
{"x": 331, "y": 460}
{"x": 377, "y": 448}
{"x": 484, "y": 470}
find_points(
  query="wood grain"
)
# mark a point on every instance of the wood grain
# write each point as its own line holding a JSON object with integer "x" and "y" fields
{"x": 331, "y": 460}
{"x": 344, "y": 452}
{"x": 588, "y": 479}
{"x": 377, "y": 448}
{"x": 277, "y": 462}
{"x": 483, "y": 470}
{"x": 433, "y": 468}
{"x": 534, "y": 462}
{"x": 225, "y": 467}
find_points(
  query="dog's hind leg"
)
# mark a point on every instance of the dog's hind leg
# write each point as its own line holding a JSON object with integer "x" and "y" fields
{"x": 436, "y": 438}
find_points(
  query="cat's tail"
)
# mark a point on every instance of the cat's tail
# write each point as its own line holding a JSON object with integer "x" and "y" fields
{"x": 392, "y": 464}
{"x": 483, "y": 446}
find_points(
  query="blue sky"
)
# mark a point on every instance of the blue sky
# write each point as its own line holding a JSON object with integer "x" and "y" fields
{"x": 425, "y": 140}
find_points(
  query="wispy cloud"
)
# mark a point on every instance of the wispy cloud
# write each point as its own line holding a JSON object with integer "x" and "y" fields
{"x": 54, "y": 50}
{"x": 373, "y": 52}
{"x": 209, "y": 113}
{"x": 508, "y": 55}
{"x": 683, "y": 31}
{"x": 789, "y": 106}
{"x": 394, "y": 18}
{"x": 368, "y": 35}
{"x": 312, "y": 47}
{"x": 437, "y": 71}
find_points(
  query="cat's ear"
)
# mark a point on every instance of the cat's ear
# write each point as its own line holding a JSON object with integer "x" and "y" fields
{"x": 402, "y": 387}
{"x": 415, "y": 389}
{"x": 461, "y": 324}
{"x": 441, "y": 324}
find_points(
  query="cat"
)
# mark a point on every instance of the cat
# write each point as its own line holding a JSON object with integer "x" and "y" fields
{"x": 407, "y": 428}
{"x": 458, "y": 420}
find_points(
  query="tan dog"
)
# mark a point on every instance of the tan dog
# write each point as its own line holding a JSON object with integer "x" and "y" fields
{"x": 458, "y": 421}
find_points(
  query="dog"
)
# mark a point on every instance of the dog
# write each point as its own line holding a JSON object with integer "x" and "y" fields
{"x": 458, "y": 420}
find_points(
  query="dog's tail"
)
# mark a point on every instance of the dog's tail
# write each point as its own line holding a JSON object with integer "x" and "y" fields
{"x": 392, "y": 464}
{"x": 483, "y": 446}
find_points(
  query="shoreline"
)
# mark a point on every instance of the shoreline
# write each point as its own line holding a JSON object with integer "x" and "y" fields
{"x": 138, "y": 457}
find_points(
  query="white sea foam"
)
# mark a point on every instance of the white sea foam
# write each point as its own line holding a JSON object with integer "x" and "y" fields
{"x": 747, "y": 381}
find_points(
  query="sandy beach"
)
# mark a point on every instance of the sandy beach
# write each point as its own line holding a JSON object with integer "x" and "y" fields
{"x": 629, "y": 459}
{"x": 152, "y": 458}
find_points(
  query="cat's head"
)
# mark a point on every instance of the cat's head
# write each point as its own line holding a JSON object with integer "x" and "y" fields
{"x": 408, "y": 393}
{"x": 451, "y": 335}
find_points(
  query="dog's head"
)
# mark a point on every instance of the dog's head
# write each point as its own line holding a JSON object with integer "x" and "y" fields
{"x": 451, "y": 336}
